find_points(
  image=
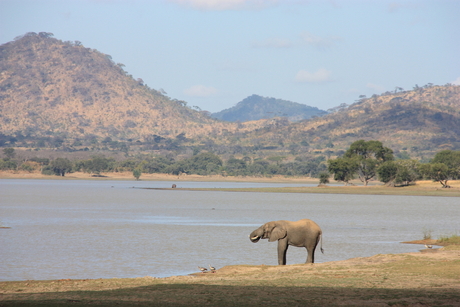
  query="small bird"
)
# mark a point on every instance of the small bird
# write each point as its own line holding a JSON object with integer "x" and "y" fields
{"x": 428, "y": 246}
{"x": 203, "y": 270}
{"x": 213, "y": 269}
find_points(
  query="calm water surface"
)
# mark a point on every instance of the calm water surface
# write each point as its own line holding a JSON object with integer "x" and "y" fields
{"x": 104, "y": 229}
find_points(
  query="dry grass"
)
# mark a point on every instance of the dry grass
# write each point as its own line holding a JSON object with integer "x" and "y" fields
{"x": 155, "y": 177}
{"x": 420, "y": 189}
{"x": 416, "y": 279}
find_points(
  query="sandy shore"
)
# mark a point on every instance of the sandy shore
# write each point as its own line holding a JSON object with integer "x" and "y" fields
{"x": 153, "y": 177}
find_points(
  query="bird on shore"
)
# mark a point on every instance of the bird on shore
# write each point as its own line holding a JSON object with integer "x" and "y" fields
{"x": 428, "y": 246}
{"x": 203, "y": 270}
{"x": 213, "y": 269}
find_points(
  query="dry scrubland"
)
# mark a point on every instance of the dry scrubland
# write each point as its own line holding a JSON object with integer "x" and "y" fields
{"x": 428, "y": 278}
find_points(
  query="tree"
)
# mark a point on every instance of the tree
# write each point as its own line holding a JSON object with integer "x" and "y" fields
{"x": 451, "y": 159}
{"x": 436, "y": 171}
{"x": 7, "y": 164}
{"x": 236, "y": 167}
{"x": 61, "y": 166}
{"x": 9, "y": 152}
{"x": 387, "y": 172}
{"x": 408, "y": 171}
{"x": 96, "y": 165}
{"x": 323, "y": 178}
{"x": 137, "y": 173}
{"x": 342, "y": 168}
{"x": 204, "y": 163}
{"x": 444, "y": 166}
{"x": 156, "y": 165}
{"x": 368, "y": 156}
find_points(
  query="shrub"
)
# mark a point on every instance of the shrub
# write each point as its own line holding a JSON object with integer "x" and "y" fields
{"x": 323, "y": 178}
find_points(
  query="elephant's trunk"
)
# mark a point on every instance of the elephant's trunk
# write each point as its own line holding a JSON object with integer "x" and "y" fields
{"x": 254, "y": 239}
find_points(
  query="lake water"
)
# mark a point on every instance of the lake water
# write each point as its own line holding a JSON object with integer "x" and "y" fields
{"x": 106, "y": 229}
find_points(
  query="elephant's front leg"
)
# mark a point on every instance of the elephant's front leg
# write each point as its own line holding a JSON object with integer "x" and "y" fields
{"x": 282, "y": 250}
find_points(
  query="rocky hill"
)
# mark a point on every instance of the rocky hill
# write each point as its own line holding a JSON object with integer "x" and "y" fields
{"x": 55, "y": 93}
{"x": 53, "y": 88}
{"x": 257, "y": 107}
{"x": 419, "y": 122}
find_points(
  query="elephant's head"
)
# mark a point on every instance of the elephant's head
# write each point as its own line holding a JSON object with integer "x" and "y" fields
{"x": 272, "y": 231}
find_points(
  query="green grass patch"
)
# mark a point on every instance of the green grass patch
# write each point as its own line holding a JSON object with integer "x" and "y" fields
{"x": 448, "y": 240}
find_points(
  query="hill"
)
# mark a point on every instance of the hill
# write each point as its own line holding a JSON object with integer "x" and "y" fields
{"x": 257, "y": 107}
{"x": 51, "y": 88}
{"x": 67, "y": 97}
{"x": 418, "y": 122}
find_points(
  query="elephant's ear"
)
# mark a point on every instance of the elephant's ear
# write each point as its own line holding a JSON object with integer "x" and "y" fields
{"x": 277, "y": 233}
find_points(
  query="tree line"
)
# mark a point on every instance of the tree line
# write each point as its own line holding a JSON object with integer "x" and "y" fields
{"x": 363, "y": 160}
{"x": 367, "y": 160}
{"x": 204, "y": 163}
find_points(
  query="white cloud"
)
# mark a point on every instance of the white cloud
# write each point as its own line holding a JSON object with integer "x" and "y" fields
{"x": 273, "y": 43}
{"x": 200, "y": 91}
{"x": 375, "y": 87}
{"x": 222, "y": 5}
{"x": 317, "y": 41}
{"x": 321, "y": 75}
{"x": 457, "y": 81}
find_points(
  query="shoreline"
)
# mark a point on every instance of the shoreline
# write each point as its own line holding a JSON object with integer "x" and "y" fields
{"x": 379, "y": 280}
{"x": 154, "y": 177}
{"x": 420, "y": 188}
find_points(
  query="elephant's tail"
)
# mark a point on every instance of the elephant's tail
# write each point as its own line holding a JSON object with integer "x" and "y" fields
{"x": 321, "y": 239}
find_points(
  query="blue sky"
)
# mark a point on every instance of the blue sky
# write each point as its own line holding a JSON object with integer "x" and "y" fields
{"x": 214, "y": 53}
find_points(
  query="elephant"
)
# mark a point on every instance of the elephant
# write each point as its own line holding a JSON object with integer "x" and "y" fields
{"x": 302, "y": 233}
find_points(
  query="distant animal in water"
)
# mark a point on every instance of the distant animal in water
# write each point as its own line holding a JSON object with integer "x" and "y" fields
{"x": 203, "y": 270}
{"x": 428, "y": 246}
{"x": 213, "y": 269}
{"x": 174, "y": 186}
{"x": 303, "y": 233}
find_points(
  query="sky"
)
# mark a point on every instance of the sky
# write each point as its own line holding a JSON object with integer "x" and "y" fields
{"x": 215, "y": 53}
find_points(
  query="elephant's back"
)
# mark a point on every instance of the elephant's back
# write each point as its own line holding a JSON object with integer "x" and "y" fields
{"x": 309, "y": 223}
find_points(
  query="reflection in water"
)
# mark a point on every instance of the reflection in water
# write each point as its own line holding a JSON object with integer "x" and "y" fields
{"x": 104, "y": 229}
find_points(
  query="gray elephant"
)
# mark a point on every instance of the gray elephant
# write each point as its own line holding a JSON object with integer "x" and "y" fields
{"x": 303, "y": 233}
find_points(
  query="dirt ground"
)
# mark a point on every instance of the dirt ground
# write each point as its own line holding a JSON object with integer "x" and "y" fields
{"x": 428, "y": 278}
{"x": 153, "y": 177}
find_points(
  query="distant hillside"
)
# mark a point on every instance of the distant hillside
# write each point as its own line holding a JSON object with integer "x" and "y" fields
{"x": 419, "y": 122}
{"x": 257, "y": 107}
{"x": 67, "y": 97}
{"x": 51, "y": 88}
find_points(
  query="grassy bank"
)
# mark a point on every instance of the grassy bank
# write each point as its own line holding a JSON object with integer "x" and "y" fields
{"x": 428, "y": 278}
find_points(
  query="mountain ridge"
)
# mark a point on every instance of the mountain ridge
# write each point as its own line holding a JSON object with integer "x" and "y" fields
{"x": 70, "y": 93}
{"x": 420, "y": 121}
{"x": 256, "y": 107}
